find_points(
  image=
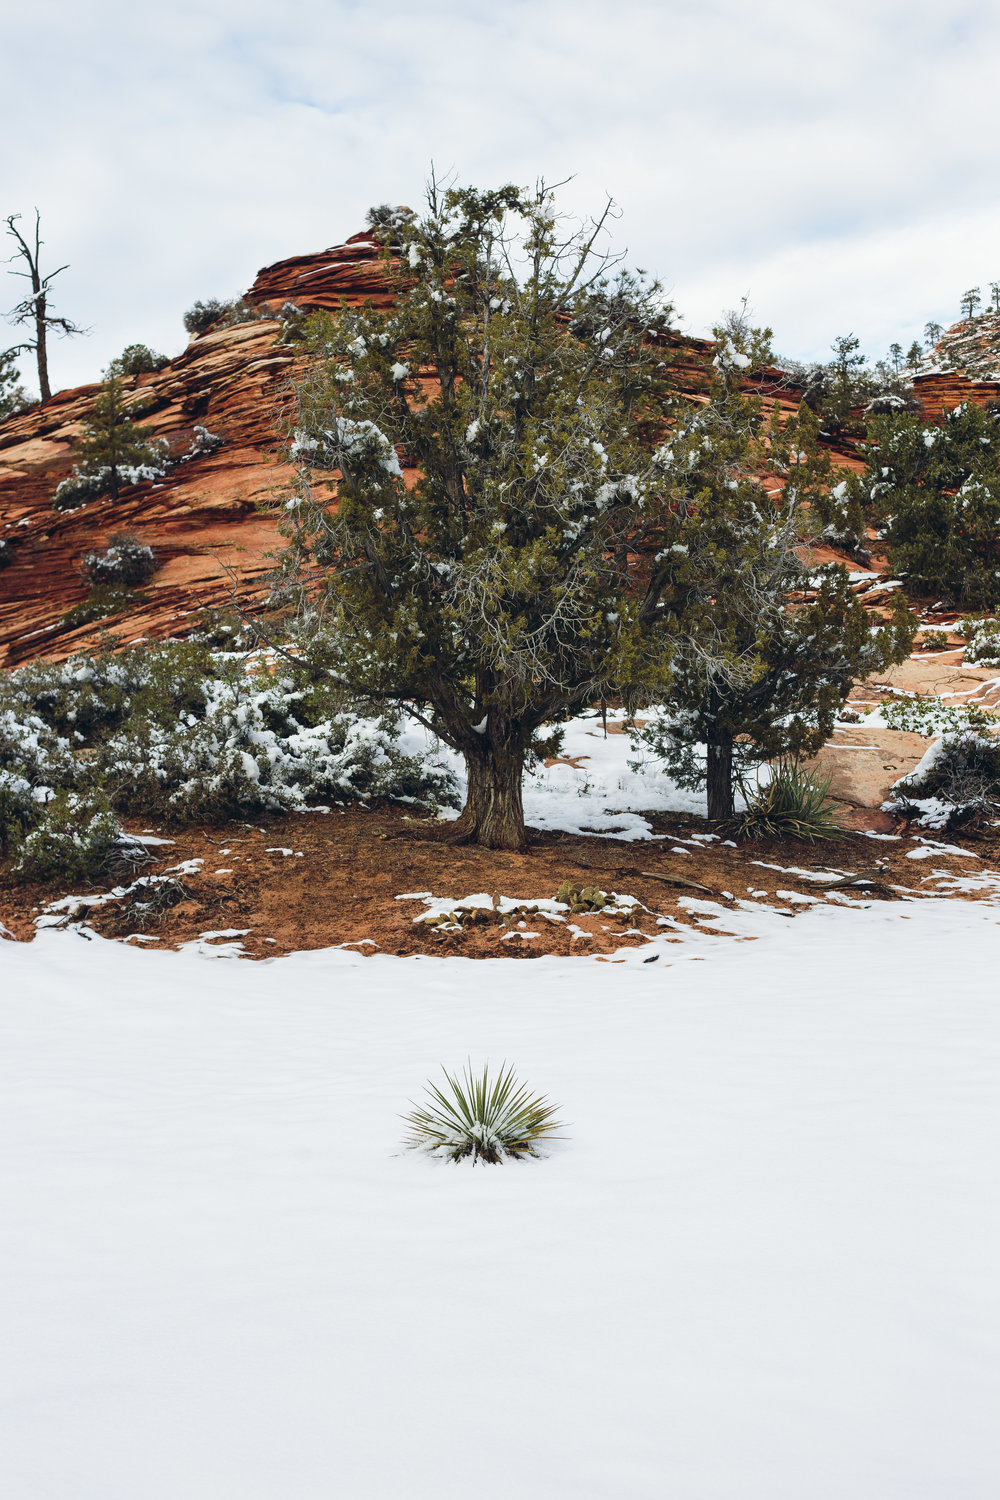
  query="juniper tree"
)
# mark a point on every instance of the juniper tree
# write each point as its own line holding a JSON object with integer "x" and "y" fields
{"x": 114, "y": 451}
{"x": 934, "y": 492}
{"x": 524, "y": 377}
{"x": 33, "y": 311}
{"x": 770, "y": 644}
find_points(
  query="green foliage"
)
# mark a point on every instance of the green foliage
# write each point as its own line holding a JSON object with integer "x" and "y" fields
{"x": 758, "y": 670}
{"x": 496, "y": 594}
{"x": 103, "y": 602}
{"x": 487, "y": 1119}
{"x": 935, "y": 494}
{"x": 982, "y": 636}
{"x": 930, "y": 716}
{"x": 957, "y": 784}
{"x": 126, "y": 561}
{"x": 76, "y": 839}
{"x": 177, "y": 732}
{"x": 794, "y": 804}
{"x": 19, "y": 810}
{"x": 137, "y": 359}
{"x": 212, "y": 313}
{"x": 934, "y": 640}
{"x": 113, "y": 453}
{"x": 13, "y": 397}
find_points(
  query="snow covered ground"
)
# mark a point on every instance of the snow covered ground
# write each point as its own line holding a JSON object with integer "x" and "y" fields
{"x": 761, "y": 1266}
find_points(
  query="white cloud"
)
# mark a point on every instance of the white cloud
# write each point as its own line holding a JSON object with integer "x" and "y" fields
{"x": 836, "y": 162}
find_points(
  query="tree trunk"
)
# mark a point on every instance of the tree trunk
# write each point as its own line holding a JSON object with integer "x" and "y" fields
{"x": 493, "y": 815}
{"x": 41, "y": 351}
{"x": 720, "y": 778}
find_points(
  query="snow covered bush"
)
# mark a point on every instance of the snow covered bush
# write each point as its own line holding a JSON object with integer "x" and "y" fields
{"x": 982, "y": 636}
{"x": 491, "y": 1120}
{"x": 249, "y": 750}
{"x": 957, "y": 783}
{"x": 76, "y": 839}
{"x": 126, "y": 560}
{"x": 177, "y": 731}
{"x": 19, "y": 810}
{"x": 932, "y": 716}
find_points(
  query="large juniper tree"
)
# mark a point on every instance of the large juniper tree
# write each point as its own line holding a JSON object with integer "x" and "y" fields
{"x": 525, "y": 380}
{"x": 770, "y": 643}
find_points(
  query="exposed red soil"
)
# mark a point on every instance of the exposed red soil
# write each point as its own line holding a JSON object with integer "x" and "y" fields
{"x": 340, "y": 884}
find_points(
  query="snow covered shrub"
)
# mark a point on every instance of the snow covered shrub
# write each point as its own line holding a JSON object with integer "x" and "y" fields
{"x": 956, "y": 784}
{"x": 202, "y": 442}
{"x": 20, "y": 809}
{"x": 126, "y": 561}
{"x": 252, "y": 748}
{"x": 982, "y": 636}
{"x": 76, "y": 839}
{"x": 793, "y": 805}
{"x": 932, "y": 716}
{"x": 489, "y": 1119}
{"x": 29, "y": 746}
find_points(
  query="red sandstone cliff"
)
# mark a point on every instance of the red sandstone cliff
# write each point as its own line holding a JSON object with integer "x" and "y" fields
{"x": 208, "y": 515}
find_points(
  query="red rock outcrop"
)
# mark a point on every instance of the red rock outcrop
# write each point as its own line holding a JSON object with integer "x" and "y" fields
{"x": 204, "y": 517}
{"x": 208, "y": 520}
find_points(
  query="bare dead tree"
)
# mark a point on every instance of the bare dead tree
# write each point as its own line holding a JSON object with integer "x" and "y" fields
{"x": 33, "y": 311}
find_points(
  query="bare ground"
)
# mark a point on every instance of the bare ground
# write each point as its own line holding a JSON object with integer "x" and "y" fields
{"x": 311, "y": 881}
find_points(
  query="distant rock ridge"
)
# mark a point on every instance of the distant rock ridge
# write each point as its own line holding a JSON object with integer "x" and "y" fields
{"x": 964, "y": 365}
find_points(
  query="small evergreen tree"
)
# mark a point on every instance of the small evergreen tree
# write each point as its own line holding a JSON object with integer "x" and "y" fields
{"x": 758, "y": 672}
{"x": 498, "y": 593}
{"x": 932, "y": 333}
{"x": 914, "y": 356}
{"x": 970, "y": 301}
{"x": 113, "y": 453}
{"x": 935, "y": 494}
{"x": 848, "y": 388}
{"x": 995, "y": 296}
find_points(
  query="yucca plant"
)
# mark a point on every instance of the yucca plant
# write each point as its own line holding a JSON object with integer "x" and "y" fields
{"x": 794, "y": 804}
{"x": 489, "y": 1119}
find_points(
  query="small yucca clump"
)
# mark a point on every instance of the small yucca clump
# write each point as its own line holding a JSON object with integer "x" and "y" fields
{"x": 489, "y": 1119}
{"x": 792, "y": 805}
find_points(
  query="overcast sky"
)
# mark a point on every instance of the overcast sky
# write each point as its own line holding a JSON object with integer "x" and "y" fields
{"x": 834, "y": 159}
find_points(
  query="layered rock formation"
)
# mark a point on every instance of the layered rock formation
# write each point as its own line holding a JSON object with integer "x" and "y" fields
{"x": 208, "y": 520}
{"x": 205, "y": 519}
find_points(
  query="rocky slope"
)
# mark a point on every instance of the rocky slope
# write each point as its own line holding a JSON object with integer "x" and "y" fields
{"x": 204, "y": 519}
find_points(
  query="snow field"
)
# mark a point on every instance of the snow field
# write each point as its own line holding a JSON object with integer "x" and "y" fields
{"x": 761, "y": 1265}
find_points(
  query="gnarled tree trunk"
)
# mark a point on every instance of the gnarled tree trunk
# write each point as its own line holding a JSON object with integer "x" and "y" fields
{"x": 720, "y": 776}
{"x": 493, "y": 815}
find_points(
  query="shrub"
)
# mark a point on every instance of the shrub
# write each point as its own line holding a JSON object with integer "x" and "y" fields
{"x": 200, "y": 317}
{"x": 934, "y": 640}
{"x": 793, "y": 804}
{"x": 205, "y": 315}
{"x": 137, "y": 359}
{"x": 956, "y": 783}
{"x": 101, "y": 603}
{"x": 982, "y": 636}
{"x": 19, "y": 810}
{"x": 77, "y": 839}
{"x": 126, "y": 560}
{"x": 488, "y": 1119}
{"x": 931, "y": 716}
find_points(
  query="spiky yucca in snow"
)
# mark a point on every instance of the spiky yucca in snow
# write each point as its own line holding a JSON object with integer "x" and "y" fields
{"x": 489, "y": 1119}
